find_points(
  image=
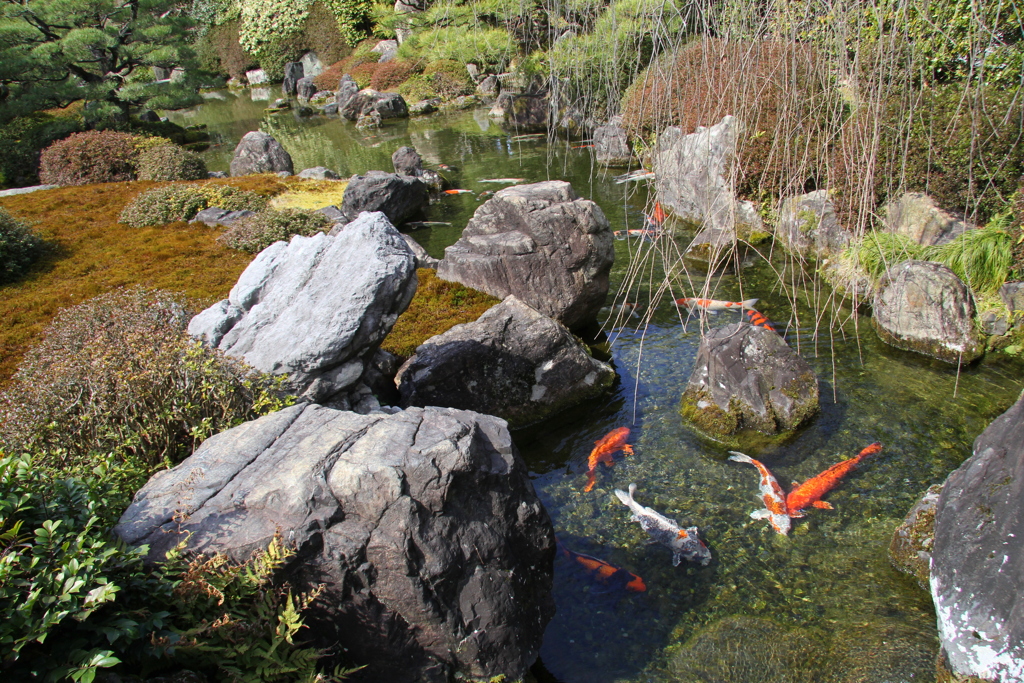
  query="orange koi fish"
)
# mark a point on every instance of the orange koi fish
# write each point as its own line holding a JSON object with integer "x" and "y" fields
{"x": 775, "y": 510}
{"x": 604, "y": 573}
{"x": 658, "y": 217}
{"x": 810, "y": 492}
{"x": 458, "y": 191}
{"x": 604, "y": 448}
{"x": 581, "y": 146}
{"x": 758, "y": 319}
{"x": 714, "y": 305}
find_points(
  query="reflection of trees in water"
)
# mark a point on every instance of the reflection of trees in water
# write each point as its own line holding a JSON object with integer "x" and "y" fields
{"x": 333, "y": 143}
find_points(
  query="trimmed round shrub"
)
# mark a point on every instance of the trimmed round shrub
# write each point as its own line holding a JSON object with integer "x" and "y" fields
{"x": 19, "y": 247}
{"x": 182, "y": 202}
{"x": 90, "y": 157}
{"x": 449, "y": 78}
{"x": 417, "y": 88}
{"x": 390, "y": 75}
{"x": 256, "y": 233}
{"x": 118, "y": 374}
{"x": 170, "y": 162}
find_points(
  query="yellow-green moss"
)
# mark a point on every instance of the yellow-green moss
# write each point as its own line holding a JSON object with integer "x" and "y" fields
{"x": 311, "y": 194}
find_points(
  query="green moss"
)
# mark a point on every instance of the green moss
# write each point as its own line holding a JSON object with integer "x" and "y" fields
{"x": 710, "y": 417}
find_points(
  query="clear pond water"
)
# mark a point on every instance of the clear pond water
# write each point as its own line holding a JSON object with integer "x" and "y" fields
{"x": 821, "y": 605}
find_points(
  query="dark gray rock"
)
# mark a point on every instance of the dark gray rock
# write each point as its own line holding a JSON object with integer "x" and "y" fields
{"x": 379, "y": 376}
{"x": 512, "y": 362}
{"x": 149, "y": 116}
{"x": 217, "y": 174}
{"x": 316, "y": 308}
{"x": 529, "y": 113}
{"x": 258, "y": 152}
{"x": 387, "y": 105}
{"x": 423, "y": 259}
{"x": 333, "y": 212}
{"x": 808, "y": 226}
{"x": 387, "y": 49}
{"x": 488, "y": 87}
{"x": 910, "y": 550}
{"x": 1012, "y": 294}
{"x": 424, "y": 107}
{"x": 747, "y": 378}
{"x": 399, "y": 197}
{"x": 541, "y": 243}
{"x": 347, "y": 89}
{"x": 305, "y": 88}
{"x": 995, "y": 323}
{"x": 977, "y": 567}
{"x": 423, "y": 529}
{"x": 407, "y": 161}
{"x": 329, "y": 109}
{"x": 214, "y": 216}
{"x": 924, "y": 307}
{"x": 293, "y": 73}
{"x": 318, "y": 173}
{"x": 915, "y": 215}
{"x": 611, "y": 146}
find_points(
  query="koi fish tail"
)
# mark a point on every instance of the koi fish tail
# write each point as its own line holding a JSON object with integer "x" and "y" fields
{"x": 740, "y": 457}
{"x": 591, "y": 480}
{"x": 749, "y": 303}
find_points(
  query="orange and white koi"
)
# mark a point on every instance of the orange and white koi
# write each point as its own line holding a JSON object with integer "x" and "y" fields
{"x": 605, "y": 573}
{"x": 604, "y": 449}
{"x": 685, "y": 544}
{"x": 633, "y": 176}
{"x": 714, "y": 305}
{"x": 502, "y": 180}
{"x": 810, "y": 492}
{"x": 774, "y": 498}
{"x": 581, "y": 146}
{"x": 458, "y": 191}
{"x": 758, "y": 319}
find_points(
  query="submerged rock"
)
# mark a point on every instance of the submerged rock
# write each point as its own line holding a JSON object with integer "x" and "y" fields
{"x": 258, "y": 152}
{"x": 541, "y": 243}
{"x": 399, "y": 197}
{"x": 512, "y": 362}
{"x": 977, "y": 567}
{"x": 911, "y": 548}
{"x": 747, "y": 378}
{"x": 924, "y": 307}
{"x": 433, "y": 552}
{"x": 315, "y": 308}
{"x": 915, "y": 215}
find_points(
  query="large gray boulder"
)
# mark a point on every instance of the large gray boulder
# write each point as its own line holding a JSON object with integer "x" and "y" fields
{"x": 511, "y": 362}
{"x": 542, "y": 243}
{"x": 977, "y": 566}
{"x": 915, "y": 215}
{"x": 366, "y": 102}
{"x": 747, "y": 378}
{"x": 305, "y": 88}
{"x": 611, "y": 146}
{"x": 399, "y": 197}
{"x": 293, "y": 73}
{"x": 423, "y": 528}
{"x": 924, "y": 307}
{"x": 407, "y": 161}
{"x": 910, "y": 549}
{"x": 315, "y": 308}
{"x": 347, "y": 90}
{"x": 258, "y": 152}
{"x": 808, "y": 226}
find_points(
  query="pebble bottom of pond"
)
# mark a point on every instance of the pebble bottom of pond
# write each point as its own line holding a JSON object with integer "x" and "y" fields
{"x": 821, "y": 605}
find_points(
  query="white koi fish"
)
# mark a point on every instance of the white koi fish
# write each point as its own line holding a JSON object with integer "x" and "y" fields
{"x": 775, "y": 510}
{"x": 685, "y": 544}
{"x": 633, "y": 176}
{"x": 714, "y": 305}
{"x": 501, "y": 180}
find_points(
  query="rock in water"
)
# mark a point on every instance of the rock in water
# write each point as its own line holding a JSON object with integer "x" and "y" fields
{"x": 910, "y": 550}
{"x": 316, "y": 308}
{"x": 407, "y": 161}
{"x": 923, "y": 306}
{"x": 305, "y": 88}
{"x": 387, "y": 105}
{"x": 611, "y": 146}
{"x": 808, "y": 226}
{"x": 977, "y": 568}
{"x": 258, "y": 152}
{"x": 399, "y": 197}
{"x": 541, "y": 243}
{"x": 423, "y": 527}
{"x": 512, "y": 362}
{"x": 347, "y": 89}
{"x": 747, "y": 377}
{"x": 293, "y": 73}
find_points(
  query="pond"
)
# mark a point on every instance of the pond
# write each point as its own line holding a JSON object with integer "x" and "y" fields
{"x": 822, "y": 604}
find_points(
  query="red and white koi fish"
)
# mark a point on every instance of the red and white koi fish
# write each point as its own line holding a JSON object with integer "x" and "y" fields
{"x": 685, "y": 544}
{"x": 633, "y": 176}
{"x": 604, "y": 448}
{"x": 758, "y": 319}
{"x": 640, "y": 233}
{"x": 604, "y": 573}
{"x": 775, "y": 510}
{"x": 581, "y": 146}
{"x": 714, "y": 305}
{"x": 810, "y": 492}
{"x": 458, "y": 191}
{"x": 502, "y": 180}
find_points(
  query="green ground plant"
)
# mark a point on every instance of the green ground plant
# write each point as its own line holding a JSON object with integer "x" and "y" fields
{"x": 182, "y": 202}
{"x": 23, "y": 139}
{"x": 20, "y": 247}
{"x": 170, "y": 162}
{"x": 255, "y": 233}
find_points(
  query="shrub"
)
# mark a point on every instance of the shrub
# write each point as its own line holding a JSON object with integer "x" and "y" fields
{"x": 256, "y": 233}
{"x": 490, "y": 48}
{"x": 92, "y": 157}
{"x": 329, "y": 78}
{"x": 118, "y": 374}
{"x": 220, "y": 51}
{"x": 23, "y": 139}
{"x": 449, "y": 78}
{"x": 321, "y": 34}
{"x": 417, "y": 88}
{"x": 19, "y": 247}
{"x": 363, "y": 73}
{"x": 170, "y": 162}
{"x": 390, "y": 75}
{"x": 182, "y": 202}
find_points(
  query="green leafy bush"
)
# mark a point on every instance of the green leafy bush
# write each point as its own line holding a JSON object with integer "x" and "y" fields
{"x": 19, "y": 247}
{"x": 449, "y": 78}
{"x": 220, "y": 51}
{"x": 417, "y": 88}
{"x": 182, "y": 202}
{"x": 91, "y": 157}
{"x": 489, "y": 48}
{"x": 170, "y": 162}
{"x": 118, "y": 374}
{"x": 23, "y": 139}
{"x": 256, "y": 233}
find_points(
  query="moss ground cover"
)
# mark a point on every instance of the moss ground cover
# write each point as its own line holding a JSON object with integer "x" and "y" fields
{"x": 91, "y": 254}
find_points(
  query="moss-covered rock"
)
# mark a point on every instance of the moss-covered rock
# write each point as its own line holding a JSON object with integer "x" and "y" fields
{"x": 911, "y": 546}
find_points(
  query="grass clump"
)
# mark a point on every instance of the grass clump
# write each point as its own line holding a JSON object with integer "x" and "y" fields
{"x": 182, "y": 202}
{"x": 311, "y": 194}
{"x": 170, "y": 162}
{"x": 255, "y": 233}
{"x": 119, "y": 375}
{"x": 19, "y": 247}
{"x": 437, "y": 306}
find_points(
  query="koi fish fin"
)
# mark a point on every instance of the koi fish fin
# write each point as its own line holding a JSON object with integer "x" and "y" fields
{"x": 711, "y": 311}
{"x": 676, "y": 559}
{"x": 749, "y": 303}
{"x": 591, "y": 480}
{"x": 797, "y": 514}
{"x": 822, "y": 505}
{"x": 763, "y": 513}
{"x": 627, "y": 449}
{"x": 739, "y": 457}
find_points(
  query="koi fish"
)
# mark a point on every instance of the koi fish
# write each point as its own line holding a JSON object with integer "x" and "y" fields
{"x": 641, "y": 233}
{"x": 633, "y": 176}
{"x": 485, "y": 195}
{"x": 775, "y": 510}
{"x": 446, "y": 167}
{"x": 758, "y": 319}
{"x": 685, "y": 544}
{"x": 581, "y": 146}
{"x": 502, "y": 180}
{"x": 415, "y": 225}
{"x": 657, "y": 218}
{"x": 713, "y": 305}
{"x": 529, "y": 136}
{"x": 604, "y": 448}
{"x": 810, "y": 492}
{"x": 458, "y": 191}
{"x": 604, "y": 573}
